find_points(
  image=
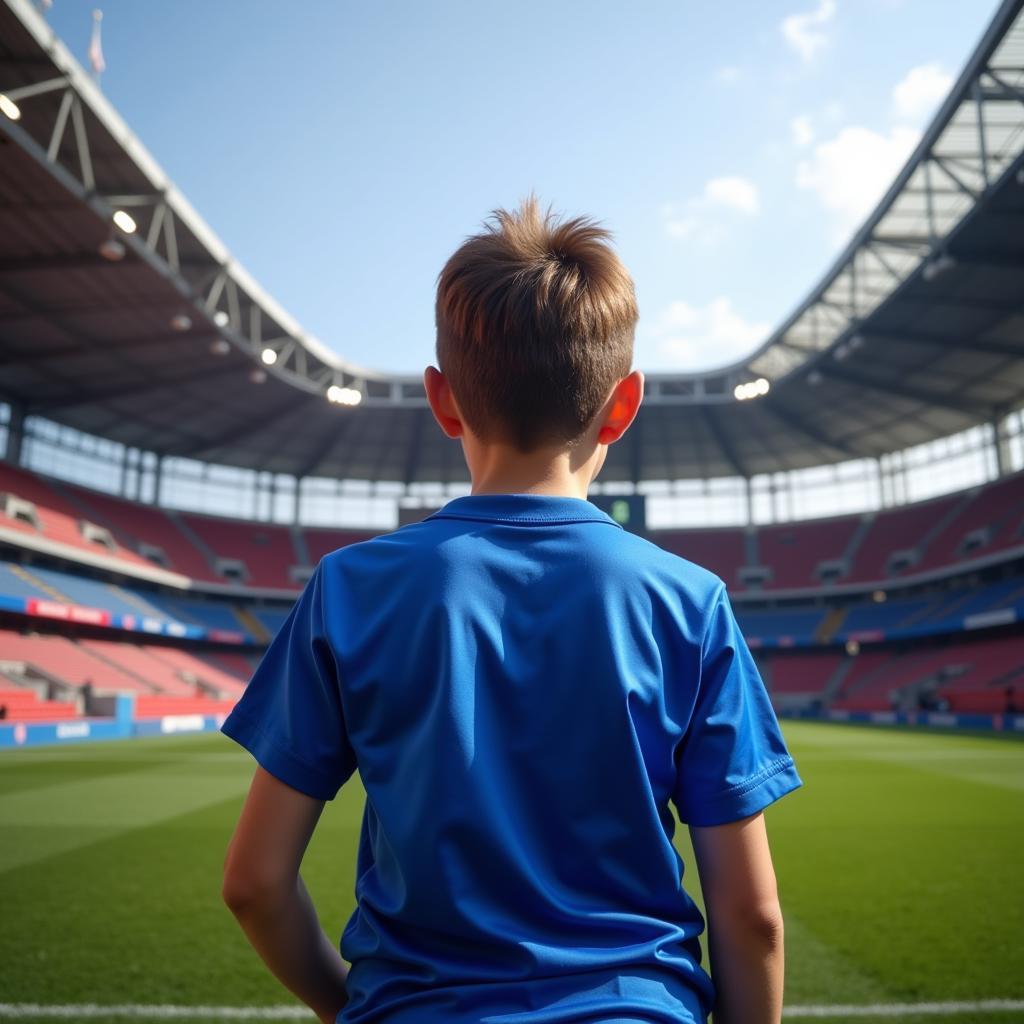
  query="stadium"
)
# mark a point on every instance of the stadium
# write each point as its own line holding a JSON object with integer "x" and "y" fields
{"x": 178, "y": 455}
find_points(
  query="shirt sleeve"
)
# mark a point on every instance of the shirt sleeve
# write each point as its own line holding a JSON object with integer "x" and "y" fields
{"x": 732, "y": 761}
{"x": 290, "y": 715}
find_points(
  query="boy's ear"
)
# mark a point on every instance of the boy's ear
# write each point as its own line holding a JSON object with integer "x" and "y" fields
{"x": 442, "y": 401}
{"x": 621, "y": 408}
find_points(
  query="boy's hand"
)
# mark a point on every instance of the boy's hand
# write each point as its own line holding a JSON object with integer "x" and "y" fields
{"x": 745, "y": 932}
{"x": 265, "y": 893}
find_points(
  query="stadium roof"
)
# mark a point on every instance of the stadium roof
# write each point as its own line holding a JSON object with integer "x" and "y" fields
{"x": 916, "y": 332}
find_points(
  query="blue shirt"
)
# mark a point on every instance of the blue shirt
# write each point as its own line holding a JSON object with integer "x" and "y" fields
{"x": 524, "y": 687}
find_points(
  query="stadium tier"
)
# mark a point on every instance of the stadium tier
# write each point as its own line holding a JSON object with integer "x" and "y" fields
{"x": 936, "y": 537}
{"x": 47, "y": 677}
{"x": 802, "y": 591}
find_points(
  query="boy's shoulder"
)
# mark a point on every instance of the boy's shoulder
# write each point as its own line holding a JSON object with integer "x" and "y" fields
{"x": 615, "y": 552}
{"x": 663, "y": 565}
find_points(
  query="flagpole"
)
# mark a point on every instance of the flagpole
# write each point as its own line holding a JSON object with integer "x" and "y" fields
{"x": 96, "y": 61}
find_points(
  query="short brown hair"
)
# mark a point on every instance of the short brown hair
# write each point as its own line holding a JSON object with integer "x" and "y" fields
{"x": 535, "y": 325}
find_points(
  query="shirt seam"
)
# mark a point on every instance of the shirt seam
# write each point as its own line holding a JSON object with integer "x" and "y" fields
{"x": 525, "y": 519}
{"x": 768, "y": 771}
{"x": 262, "y": 734}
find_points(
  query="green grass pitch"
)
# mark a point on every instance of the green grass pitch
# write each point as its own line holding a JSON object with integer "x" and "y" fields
{"x": 901, "y": 867}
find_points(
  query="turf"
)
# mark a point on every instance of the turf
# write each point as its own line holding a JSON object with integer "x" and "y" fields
{"x": 899, "y": 865}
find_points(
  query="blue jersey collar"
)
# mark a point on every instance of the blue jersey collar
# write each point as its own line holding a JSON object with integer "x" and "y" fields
{"x": 524, "y": 508}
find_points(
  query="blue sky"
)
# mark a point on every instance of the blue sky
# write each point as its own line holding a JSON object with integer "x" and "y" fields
{"x": 342, "y": 150}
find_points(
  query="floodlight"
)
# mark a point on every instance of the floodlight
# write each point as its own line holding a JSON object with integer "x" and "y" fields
{"x": 852, "y": 647}
{"x": 269, "y": 357}
{"x": 343, "y": 396}
{"x": 9, "y": 108}
{"x": 221, "y": 319}
{"x": 879, "y": 596}
{"x": 125, "y": 221}
{"x": 761, "y": 386}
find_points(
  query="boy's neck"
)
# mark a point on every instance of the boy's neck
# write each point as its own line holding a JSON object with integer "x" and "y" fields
{"x": 517, "y": 474}
{"x": 499, "y": 468}
{"x": 554, "y": 490}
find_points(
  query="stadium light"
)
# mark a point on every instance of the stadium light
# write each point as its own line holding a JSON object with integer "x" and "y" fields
{"x": 343, "y": 396}
{"x": 269, "y": 357}
{"x": 853, "y": 648}
{"x": 9, "y": 108}
{"x": 879, "y": 596}
{"x": 751, "y": 389}
{"x": 221, "y": 319}
{"x": 125, "y": 221}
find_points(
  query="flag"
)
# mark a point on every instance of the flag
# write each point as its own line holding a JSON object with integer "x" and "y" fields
{"x": 96, "y": 46}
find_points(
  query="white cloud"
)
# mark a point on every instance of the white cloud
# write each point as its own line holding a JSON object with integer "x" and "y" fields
{"x": 734, "y": 192}
{"x": 802, "y": 129}
{"x": 728, "y": 75}
{"x": 852, "y": 171}
{"x": 808, "y": 33}
{"x": 920, "y": 91}
{"x": 699, "y": 219}
{"x": 686, "y": 337}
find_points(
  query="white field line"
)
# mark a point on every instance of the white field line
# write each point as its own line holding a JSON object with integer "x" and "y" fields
{"x": 140, "y": 1011}
{"x": 905, "y": 1009}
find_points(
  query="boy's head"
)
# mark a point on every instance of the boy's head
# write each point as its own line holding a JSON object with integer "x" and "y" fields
{"x": 535, "y": 325}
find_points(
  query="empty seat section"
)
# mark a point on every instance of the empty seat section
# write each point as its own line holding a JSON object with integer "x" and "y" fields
{"x": 239, "y": 666}
{"x": 999, "y": 507}
{"x": 84, "y": 591}
{"x": 984, "y": 663}
{"x": 793, "y": 551}
{"x": 877, "y": 691}
{"x": 804, "y": 673}
{"x": 721, "y": 551}
{"x": 15, "y": 582}
{"x": 271, "y": 618}
{"x": 192, "y": 667}
{"x": 789, "y": 624}
{"x": 139, "y": 663}
{"x": 57, "y": 516}
{"x": 66, "y": 661}
{"x": 131, "y": 522}
{"x": 867, "y": 618}
{"x": 893, "y": 530}
{"x": 24, "y": 705}
{"x": 209, "y": 614}
{"x": 266, "y": 551}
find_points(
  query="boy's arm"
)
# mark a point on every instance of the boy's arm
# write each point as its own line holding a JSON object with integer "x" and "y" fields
{"x": 263, "y": 888}
{"x": 744, "y": 920}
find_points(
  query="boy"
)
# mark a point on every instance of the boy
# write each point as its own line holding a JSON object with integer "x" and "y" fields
{"x": 524, "y": 687}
